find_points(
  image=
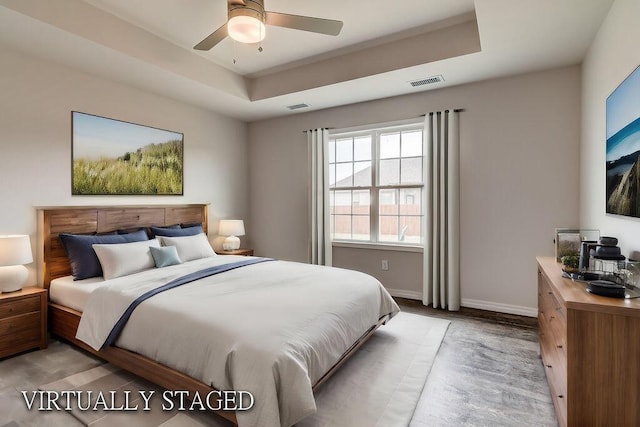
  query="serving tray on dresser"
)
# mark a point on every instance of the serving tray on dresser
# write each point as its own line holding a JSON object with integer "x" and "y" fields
{"x": 590, "y": 347}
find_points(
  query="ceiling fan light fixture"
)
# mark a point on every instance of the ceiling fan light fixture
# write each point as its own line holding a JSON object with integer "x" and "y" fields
{"x": 246, "y": 20}
{"x": 246, "y": 26}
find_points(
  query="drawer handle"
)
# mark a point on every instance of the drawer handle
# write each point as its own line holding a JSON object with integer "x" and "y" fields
{"x": 552, "y": 317}
{"x": 549, "y": 366}
{"x": 549, "y": 292}
{"x": 559, "y": 345}
{"x": 560, "y": 396}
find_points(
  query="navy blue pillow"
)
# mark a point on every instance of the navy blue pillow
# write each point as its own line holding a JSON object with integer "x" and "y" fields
{"x": 190, "y": 224}
{"x": 130, "y": 230}
{"x": 153, "y": 234}
{"x": 177, "y": 232}
{"x": 83, "y": 259}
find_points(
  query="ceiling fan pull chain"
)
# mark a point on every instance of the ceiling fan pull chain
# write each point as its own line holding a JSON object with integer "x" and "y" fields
{"x": 233, "y": 51}
{"x": 261, "y": 27}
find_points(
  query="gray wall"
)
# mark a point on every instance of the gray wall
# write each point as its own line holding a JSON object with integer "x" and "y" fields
{"x": 35, "y": 121}
{"x": 613, "y": 55}
{"x": 519, "y": 180}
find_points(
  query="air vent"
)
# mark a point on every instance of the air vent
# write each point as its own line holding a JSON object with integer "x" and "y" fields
{"x": 297, "y": 106}
{"x": 428, "y": 81}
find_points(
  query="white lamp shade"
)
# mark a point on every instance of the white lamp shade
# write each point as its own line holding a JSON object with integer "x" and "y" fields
{"x": 15, "y": 250}
{"x": 246, "y": 29}
{"x": 231, "y": 227}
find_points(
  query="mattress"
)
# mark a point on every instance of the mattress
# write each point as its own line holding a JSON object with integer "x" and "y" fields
{"x": 271, "y": 328}
{"x": 73, "y": 293}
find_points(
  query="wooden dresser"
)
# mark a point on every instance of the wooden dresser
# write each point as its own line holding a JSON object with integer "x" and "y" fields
{"x": 590, "y": 347}
{"x": 23, "y": 321}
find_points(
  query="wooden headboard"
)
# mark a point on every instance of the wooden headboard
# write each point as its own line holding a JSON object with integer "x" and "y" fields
{"x": 101, "y": 219}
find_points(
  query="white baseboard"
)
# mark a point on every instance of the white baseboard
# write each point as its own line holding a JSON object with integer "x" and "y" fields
{"x": 500, "y": 308}
{"x": 402, "y": 293}
{"x": 473, "y": 303}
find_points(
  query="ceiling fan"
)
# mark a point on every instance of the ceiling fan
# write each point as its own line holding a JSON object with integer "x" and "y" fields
{"x": 247, "y": 19}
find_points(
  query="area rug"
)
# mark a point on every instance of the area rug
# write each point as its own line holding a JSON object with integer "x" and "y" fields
{"x": 379, "y": 385}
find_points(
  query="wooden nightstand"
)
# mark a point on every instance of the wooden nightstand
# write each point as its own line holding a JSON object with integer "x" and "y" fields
{"x": 241, "y": 251}
{"x": 23, "y": 321}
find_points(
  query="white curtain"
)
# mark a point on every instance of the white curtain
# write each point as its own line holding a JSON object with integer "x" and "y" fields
{"x": 441, "y": 281}
{"x": 320, "y": 241}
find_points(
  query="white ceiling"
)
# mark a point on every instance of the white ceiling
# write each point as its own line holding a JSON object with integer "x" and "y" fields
{"x": 186, "y": 22}
{"x": 149, "y": 44}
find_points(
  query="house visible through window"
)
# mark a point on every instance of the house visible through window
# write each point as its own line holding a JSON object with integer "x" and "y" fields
{"x": 376, "y": 185}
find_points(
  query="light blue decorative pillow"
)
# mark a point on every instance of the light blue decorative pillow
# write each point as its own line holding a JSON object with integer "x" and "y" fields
{"x": 165, "y": 256}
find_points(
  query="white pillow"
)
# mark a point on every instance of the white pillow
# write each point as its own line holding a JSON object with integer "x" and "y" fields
{"x": 189, "y": 247}
{"x": 121, "y": 259}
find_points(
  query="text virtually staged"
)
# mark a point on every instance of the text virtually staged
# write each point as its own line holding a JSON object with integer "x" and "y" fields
{"x": 140, "y": 400}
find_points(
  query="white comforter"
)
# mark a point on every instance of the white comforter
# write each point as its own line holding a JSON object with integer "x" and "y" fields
{"x": 272, "y": 328}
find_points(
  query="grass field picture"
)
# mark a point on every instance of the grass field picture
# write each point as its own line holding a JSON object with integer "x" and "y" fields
{"x": 120, "y": 158}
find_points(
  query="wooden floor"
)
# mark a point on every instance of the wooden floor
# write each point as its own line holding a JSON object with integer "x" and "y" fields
{"x": 487, "y": 373}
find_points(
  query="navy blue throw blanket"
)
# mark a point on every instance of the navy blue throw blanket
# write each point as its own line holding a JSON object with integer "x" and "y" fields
{"x": 182, "y": 280}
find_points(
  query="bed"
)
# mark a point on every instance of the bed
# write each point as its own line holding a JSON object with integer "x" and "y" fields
{"x": 306, "y": 366}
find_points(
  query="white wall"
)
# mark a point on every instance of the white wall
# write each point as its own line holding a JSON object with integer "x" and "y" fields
{"x": 613, "y": 55}
{"x": 519, "y": 163}
{"x": 36, "y": 100}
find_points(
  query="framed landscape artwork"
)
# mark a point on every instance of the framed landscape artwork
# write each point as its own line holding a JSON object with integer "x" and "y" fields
{"x": 113, "y": 157}
{"x": 623, "y": 148}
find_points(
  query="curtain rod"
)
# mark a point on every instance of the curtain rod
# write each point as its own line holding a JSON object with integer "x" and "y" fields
{"x": 456, "y": 110}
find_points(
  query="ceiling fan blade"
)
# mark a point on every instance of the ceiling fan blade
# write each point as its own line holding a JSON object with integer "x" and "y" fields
{"x": 212, "y": 39}
{"x": 305, "y": 23}
{"x": 238, "y": 2}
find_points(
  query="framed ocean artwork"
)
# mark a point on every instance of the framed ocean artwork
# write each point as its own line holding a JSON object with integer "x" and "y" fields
{"x": 623, "y": 148}
{"x": 114, "y": 157}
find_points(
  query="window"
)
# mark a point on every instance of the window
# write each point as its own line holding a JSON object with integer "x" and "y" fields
{"x": 376, "y": 185}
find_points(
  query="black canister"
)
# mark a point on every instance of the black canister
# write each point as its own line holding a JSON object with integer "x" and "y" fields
{"x": 585, "y": 249}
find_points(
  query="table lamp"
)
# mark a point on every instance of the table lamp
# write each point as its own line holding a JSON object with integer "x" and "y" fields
{"x": 15, "y": 251}
{"x": 231, "y": 228}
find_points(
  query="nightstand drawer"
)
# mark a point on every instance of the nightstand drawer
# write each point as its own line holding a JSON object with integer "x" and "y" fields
{"x": 14, "y": 343}
{"x": 23, "y": 321}
{"x": 16, "y": 307}
{"x": 18, "y": 324}
{"x": 241, "y": 251}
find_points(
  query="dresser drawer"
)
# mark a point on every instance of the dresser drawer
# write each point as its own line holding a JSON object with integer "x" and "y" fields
{"x": 558, "y": 327}
{"x": 548, "y": 303}
{"x": 15, "y": 307}
{"x": 554, "y": 360}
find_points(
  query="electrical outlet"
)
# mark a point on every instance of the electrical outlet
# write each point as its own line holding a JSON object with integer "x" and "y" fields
{"x": 385, "y": 265}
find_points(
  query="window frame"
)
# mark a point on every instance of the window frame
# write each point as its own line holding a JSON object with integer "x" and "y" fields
{"x": 375, "y": 131}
